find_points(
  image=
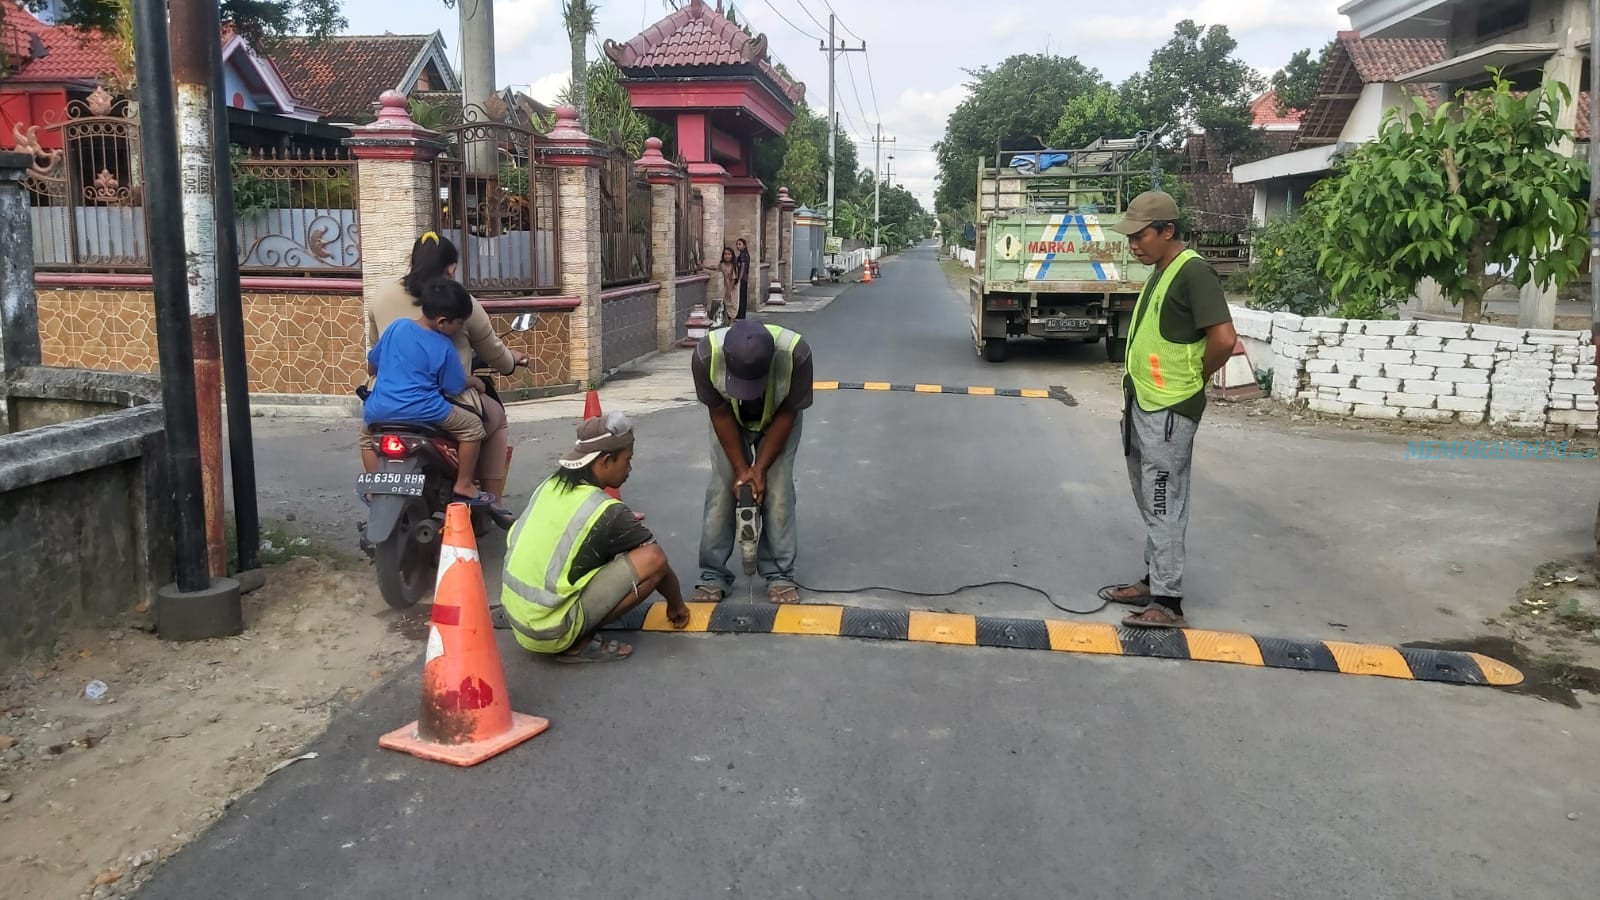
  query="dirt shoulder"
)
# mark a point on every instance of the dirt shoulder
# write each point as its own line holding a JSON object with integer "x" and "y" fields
{"x": 93, "y": 795}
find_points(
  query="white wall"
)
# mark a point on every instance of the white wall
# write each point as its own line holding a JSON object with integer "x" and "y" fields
{"x": 1367, "y": 117}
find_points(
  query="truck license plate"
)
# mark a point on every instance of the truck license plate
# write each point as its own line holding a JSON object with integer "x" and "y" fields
{"x": 409, "y": 484}
{"x": 1068, "y": 324}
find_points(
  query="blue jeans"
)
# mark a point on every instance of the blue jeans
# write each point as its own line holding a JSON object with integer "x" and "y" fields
{"x": 780, "y": 539}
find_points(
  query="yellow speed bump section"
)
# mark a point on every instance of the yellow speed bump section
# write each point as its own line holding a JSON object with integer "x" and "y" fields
{"x": 825, "y": 385}
{"x": 699, "y": 617}
{"x": 1369, "y": 659}
{"x": 875, "y": 386}
{"x": 802, "y": 619}
{"x": 981, "y": 391}
{"x": 930, "y": 388}
{"x": 942, "y": 628}
{"x": 1224, "y": 647}
{"x": 1495, "y": 672}
{"x": 1072, "y": 637}
{"x": 1035, "y": 394}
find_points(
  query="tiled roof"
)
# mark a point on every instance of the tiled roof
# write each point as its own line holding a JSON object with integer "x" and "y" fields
{"x": 1355, "y": 63}
{"x": 698, "y": 36}
{"x": 1265, "y": 112}
{"x": 1384, "y": 60}
{"x": 344, "y": 75}
{"x": 74, "y": 55}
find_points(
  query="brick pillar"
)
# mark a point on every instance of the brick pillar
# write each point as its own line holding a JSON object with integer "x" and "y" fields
{"x": 394, "y": 192}
{"x": 664, "y": 180}
{"x": 715, "y": 235}
{"x": 786, "y": 207}
{"x": 769, "y": 243}
{"x": 743, "y": 218}
{"x": 579, "y": 157}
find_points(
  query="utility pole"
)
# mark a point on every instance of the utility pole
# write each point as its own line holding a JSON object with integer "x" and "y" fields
{"x": 192, "y": 78}
{"x": 477, "y": 76}
{"x": 878, "y": 141}
{"x": 1594, "y": 202}
{"x": 833, "y": 49}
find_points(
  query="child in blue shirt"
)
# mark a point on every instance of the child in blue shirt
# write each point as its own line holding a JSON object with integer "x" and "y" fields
{"x": 418, "y": 370}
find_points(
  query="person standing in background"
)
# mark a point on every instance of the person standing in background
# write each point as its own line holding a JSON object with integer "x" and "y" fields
{"x": 742, "y": 264}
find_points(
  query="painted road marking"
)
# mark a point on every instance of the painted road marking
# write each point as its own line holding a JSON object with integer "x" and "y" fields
{"x": 1338, "y": 657}
{"x": 1051, "y": 393}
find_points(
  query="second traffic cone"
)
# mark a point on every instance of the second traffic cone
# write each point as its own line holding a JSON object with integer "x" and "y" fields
{"x": 866, "y": 274}
{"x": 591, "y": 410}
{"x": 466, "y": 713}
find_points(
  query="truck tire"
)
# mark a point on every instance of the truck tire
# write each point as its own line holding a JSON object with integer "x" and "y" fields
{"x": 1116, "y": 349}
{"x": 994, "y": 350}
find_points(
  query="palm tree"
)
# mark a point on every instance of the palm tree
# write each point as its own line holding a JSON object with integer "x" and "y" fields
{"x": 579, "y": 16}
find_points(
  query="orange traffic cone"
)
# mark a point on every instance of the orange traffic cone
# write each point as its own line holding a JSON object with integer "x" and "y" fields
{"x": 591, "y": 410}
{"x": 466, "y": 710}
{"x": 866, "y": 273}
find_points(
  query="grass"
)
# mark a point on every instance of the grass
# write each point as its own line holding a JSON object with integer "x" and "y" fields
{"x": 279, "y": 544}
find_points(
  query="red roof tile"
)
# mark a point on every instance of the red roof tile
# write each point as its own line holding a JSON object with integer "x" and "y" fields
{"x": 1265, "y": 112}
{"x": 344, "y": 75}
{"x": 74, "y": 55}
{"x": 698, "y": 36}
{"x": 1384, "y": 60}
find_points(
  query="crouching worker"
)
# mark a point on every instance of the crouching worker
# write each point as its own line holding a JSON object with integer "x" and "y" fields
{"x": 578, "y": 559}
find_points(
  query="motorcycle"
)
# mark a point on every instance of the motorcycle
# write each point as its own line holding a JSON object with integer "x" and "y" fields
{"x": 409, "y": 493}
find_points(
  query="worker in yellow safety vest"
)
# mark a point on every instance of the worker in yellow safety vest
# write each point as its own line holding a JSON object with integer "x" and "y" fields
{"x": 756, "y": 380}
{"x": 1181, "y": 334}
{"x": 578, "y": 559}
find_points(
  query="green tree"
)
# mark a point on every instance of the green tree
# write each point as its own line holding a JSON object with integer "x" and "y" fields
{"x": 1104, "y": 112}
{"x": 1021, "y": 98}
{"x": 1195, "y": 81}
{"x": 1297, "y": 82}
{"x": 1444, "y": 195}
{"x": 608, "y": 109}
{"x": 805, "y": 160}
{"x": 578, "y": 17}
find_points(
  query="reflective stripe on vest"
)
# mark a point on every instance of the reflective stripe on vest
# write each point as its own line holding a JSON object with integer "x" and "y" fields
{"x": 540, "y": 602}
{"x": 1164, "y": 373}
{"x": 777, "y": 382}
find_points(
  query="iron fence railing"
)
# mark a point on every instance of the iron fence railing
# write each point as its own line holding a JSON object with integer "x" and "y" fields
{"x": 296, "y": 210}
{"x": 691, "y": 215}
{"x": 625, "y": 216}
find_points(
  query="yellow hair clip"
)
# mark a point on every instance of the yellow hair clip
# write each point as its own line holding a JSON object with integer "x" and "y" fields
{"x": 429, "y": 236}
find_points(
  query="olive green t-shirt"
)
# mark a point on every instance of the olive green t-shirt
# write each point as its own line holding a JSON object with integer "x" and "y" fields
{"x": 1195, "y": 302}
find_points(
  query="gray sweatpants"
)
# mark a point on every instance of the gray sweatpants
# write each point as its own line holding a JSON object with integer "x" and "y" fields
{"x": 1159, "y": 447}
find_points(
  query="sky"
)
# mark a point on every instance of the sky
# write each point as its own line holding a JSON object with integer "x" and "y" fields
{"x": 912, "y": 75}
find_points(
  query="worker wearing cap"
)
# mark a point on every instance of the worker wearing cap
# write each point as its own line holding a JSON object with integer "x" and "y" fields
{"x": 578, "y": 559}
{"x": 756, "y": 381}
{"x": 1182, "y": 332}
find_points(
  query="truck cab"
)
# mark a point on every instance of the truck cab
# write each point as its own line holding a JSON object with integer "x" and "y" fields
{"x": 1048, "y": 265}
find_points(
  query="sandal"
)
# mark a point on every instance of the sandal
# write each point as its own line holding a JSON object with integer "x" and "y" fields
{"x": 783, "y": 593}
{"x": 706, "y": 594}
{"x": 1141, "y": 596}
{"x": 597, "y": 651}
{"x": 483, "y": 498}
{"x": 1155, "y": 616}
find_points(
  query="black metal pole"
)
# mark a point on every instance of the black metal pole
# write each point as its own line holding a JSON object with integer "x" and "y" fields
{"x": 159, "y": 152}
{"x": 230, "y": 320}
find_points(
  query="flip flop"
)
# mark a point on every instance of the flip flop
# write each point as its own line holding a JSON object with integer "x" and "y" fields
{"x": 597, "y": 651}
{"x": 1108, "y": 594}
{"x": 1155, "y": 616}
{"x": 484, "y": 498}
{"x": 706, "y": 594}
{"x": 781, "y": 593}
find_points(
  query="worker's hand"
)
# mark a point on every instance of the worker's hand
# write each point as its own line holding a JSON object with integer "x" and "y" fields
{"x": 525, "y": 361}
{"x": 758, "y": 483}
{"x": 678, "y": 614}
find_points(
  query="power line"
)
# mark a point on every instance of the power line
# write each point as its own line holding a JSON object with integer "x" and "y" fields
{"x": 841, "y": 22}
{"x": 809, "y": 15}
{"x": 785, "y": 18}
{"x": 855, "y": 89}
{"x": 872, "y": 85}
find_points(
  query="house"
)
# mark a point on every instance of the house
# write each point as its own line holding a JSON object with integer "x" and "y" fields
{"x": 1532, "y": 42}
{"x": 1362, "y": 82}
{"x": 344, "y": 75}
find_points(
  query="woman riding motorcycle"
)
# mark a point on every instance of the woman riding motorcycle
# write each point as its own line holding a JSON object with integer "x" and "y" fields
{"x": 433, "y": 256}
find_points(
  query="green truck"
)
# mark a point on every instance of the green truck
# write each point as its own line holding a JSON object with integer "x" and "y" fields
{"x": 1048, "y": 264}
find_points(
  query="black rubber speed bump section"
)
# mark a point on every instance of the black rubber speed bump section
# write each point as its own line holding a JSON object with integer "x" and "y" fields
{"x": 882, "y": 624}
{"x": 1443, "y": 665}
{"x": 1309, "y": 656}
{"x": 743, "y": 618}
{"x": 1404, "y": 663}
{"x": 1020, "y": 634}
{"x": 1161, "y": 643}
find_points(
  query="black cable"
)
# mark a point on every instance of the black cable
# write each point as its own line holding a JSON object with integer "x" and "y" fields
{"x": 960, "y": 590}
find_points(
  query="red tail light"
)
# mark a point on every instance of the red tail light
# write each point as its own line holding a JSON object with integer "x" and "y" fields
{"x": 392, "y": 447}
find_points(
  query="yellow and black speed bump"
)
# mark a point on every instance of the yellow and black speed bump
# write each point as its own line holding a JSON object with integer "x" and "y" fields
{"x": 920, "y": 626}
{"x": 1054, "y": 392}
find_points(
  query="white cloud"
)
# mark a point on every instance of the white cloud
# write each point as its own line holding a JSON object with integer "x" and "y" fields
{"x": 517, "y": 23}
{"x": 1240, "y": 16}
{"x": 547, "y": 88}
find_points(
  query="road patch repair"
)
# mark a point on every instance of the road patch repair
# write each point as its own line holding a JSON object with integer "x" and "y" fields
{"x": 961, "y": 629}
{"x": 1054, "y": 392}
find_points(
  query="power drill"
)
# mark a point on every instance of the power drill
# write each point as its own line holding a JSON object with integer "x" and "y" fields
{"x": 748, "y": 515}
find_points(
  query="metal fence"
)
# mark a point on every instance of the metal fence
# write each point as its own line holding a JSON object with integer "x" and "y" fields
{"x": 295, "y": 213}
{"x": 625, "y": 248}
{"x": 691, "y": 228}
{"x": 498, "y": 204}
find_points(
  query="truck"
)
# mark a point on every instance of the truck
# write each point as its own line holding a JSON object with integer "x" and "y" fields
{"x": 1047, "y": 263}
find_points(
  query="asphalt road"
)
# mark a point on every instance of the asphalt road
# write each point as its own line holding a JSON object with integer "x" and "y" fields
{"x": 764, "y": 766}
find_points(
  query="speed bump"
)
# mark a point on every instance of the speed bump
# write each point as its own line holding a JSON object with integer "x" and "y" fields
{"x": 961, "y": 629}
{"x": 1050, "y": 393}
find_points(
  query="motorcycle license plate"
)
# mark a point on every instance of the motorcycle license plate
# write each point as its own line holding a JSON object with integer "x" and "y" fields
{"x": 409, "y": 484}
{"x": 1068, "y": 324}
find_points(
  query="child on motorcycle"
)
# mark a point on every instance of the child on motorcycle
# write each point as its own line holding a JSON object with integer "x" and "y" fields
{"x": 417, "y": 370}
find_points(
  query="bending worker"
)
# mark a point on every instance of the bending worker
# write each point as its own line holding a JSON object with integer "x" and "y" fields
{"x": 756, "y": 381}
{"x": 578, "y": 559}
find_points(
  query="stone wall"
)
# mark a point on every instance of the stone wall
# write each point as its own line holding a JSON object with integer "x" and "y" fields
{"x": 1421, "y": 371}
{"x": 546, "y": 343}
{"x": 692, "y": 291}
{"x": 628, "y": 325}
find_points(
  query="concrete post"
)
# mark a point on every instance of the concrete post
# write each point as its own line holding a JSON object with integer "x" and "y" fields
{"x": 786, "y": 207}
{"x": 743, "y": 217}
{"x": 579, "y": 158}
{"x": 664, "y": 180}
{"x": 394, "y": 191}
{"x": 19, "y": 305}
{"x": 714, "y": 233}
{"x": 1537, "y": 308}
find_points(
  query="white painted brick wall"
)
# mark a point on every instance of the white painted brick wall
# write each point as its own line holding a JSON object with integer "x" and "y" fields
{"x": 1419, "y": 373}
{"x": 1358, "y": 369}
{"x": 1428, "y": 415}
{"x": 1481, "y": 362}
{"x": 1297, "y": 338}
{"x": 1580, "y": 418}
{"x": 1498, "y": 333}
{"x": 1477, "y": 348}
{"x": 1428, "y": 387}
{"x": 1284, "y": 321}
{"x": 1391, "y": 328}
{"x": 1292, "y": 351}
{"x": 1331, "y": 407}
{"x": 1331, "y": 379}
{"x": 1446, "y": 330}
{"x": 1473, "y": 390}
{"x": 1573, "y": 388}
{"x": 1369, "y": 398}
{"x": 1252, "y": 323}
{"x": 1376, "y": 412}
{"x": 1323, "y": 325}
{"x": 1465, "y": 404}
{"x": 1415, "y": 342}
{"x": 1414, "y": 401}
{"x": 1378, "y": 384}
{"x": 1397, "y": 357}
{"x": 1352, "y": 354}
{"x": 1473, "y": 376}
{"x": 1366, "y": 341}
{"x": 1443, "y": 360}
{"x": 1314, "y": 366}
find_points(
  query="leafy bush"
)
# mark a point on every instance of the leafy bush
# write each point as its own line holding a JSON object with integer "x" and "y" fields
{"x": 1285, "y": 277}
